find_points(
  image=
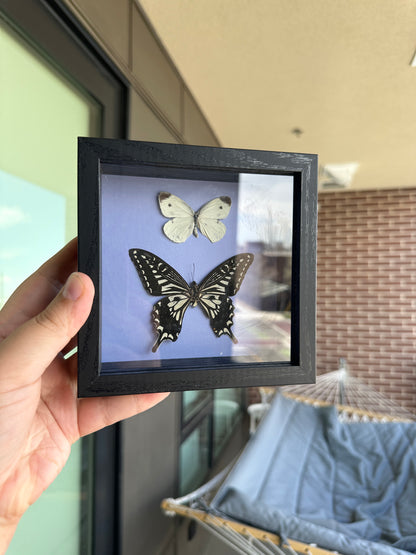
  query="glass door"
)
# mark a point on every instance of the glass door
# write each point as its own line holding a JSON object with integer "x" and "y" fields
{"x": 41, "y": 115}
{"x": 53, "y": 88}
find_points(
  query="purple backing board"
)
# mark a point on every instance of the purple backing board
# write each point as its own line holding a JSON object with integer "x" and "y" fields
{"x": 131, "y": 218}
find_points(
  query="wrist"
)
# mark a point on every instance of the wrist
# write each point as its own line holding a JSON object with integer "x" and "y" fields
{"x": 7, "y": 530}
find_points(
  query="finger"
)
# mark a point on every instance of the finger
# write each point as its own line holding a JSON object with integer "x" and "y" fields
{"x": 29, "y": 350}
{"x": 46, "y": 282}
{"x": 95, "y": 413}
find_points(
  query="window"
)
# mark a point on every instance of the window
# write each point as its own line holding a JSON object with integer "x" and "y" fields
{"x": 209, "y": 420}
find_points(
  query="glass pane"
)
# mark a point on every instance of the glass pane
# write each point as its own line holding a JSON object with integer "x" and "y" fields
{"x": 266, "y": 228}
{"x": 41, "y": 116}
{"x": 244, "y": 259}
{"x": 193, "y": 402}
{"x": 194, "y": 458}
{"x": 227, "y": 412}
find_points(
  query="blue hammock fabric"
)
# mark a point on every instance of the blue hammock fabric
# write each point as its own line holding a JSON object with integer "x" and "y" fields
{"x": 349, "y": 487}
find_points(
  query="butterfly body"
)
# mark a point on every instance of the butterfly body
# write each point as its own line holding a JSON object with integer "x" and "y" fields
{"x": 212, "y": 294}
{"x": 184, "y": 221}
{"x": 193, "y": 293}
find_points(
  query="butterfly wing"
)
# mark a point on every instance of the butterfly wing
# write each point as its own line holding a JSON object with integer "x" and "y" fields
{"x": 182, "y": 222}
{"x": 167, "y": 316}
{"x": 217, "y": 287}
{"x": 208, "y": 218}
{"x": 159, "y": 278}
{"x": 220, "y": 311}
{"x": 227, "y": 277}
{"x": 156, "y": 275}
{"x": 213, "y": 293}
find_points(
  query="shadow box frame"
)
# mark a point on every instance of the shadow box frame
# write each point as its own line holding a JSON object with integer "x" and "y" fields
{"x": 102, "y": 165}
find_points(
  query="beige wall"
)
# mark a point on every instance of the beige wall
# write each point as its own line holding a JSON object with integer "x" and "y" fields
{"x": 161, "y": 107}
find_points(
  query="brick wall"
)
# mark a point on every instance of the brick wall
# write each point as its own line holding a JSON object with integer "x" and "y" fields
{"x": 366, "y": 297}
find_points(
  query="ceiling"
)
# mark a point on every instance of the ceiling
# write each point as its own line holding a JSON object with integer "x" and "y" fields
{"x": 322, "y": 76}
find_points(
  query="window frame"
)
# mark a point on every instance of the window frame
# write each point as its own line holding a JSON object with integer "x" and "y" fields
{"x": 50, "y": 28}
{"x": 196, "y": 420}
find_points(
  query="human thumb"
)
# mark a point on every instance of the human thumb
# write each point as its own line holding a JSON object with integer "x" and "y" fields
{"x": 29, "y": 350}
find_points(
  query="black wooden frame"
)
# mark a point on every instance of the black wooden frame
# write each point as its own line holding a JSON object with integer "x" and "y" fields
{"x": 193, "y": 373}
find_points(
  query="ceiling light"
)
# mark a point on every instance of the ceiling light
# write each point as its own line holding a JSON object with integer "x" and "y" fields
{"x": 413, "y": 62}
{"x": 337, "y": 176}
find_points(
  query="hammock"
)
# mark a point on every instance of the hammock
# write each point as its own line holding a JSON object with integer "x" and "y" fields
{"x": 353, "y": 399}
{"x": 314, "y": 480}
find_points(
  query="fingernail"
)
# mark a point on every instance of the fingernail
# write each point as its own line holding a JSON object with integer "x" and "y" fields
{"x": 73, "y": 287}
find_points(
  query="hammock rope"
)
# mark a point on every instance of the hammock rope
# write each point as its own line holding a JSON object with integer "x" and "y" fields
{"x": 350, "y": 395}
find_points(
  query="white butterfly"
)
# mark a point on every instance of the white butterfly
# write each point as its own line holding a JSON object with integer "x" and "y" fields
{"x": 185, "y": 221}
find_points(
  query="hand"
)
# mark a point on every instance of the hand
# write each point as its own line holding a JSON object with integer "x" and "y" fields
{"x": 40, "y": 414}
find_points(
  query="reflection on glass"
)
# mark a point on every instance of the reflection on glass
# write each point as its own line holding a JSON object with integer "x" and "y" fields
{"x": 265, "y": 228}
{"x": 194, "y": 458}
{"x": 27, "y": 211}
